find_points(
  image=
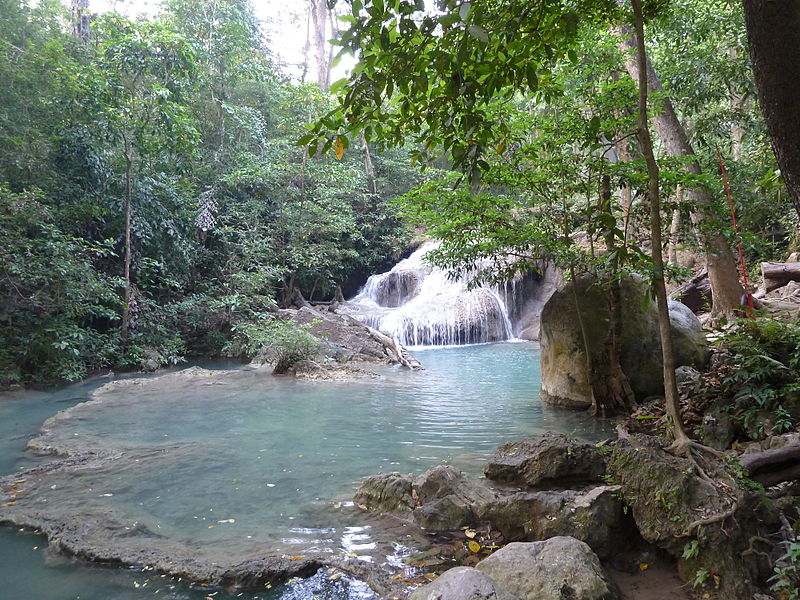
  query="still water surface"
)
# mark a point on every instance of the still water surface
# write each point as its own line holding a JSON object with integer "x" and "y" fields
{"x": 247, "y": 462}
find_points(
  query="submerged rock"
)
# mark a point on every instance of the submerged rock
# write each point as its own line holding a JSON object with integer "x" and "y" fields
{"x": 564, "y": 378}
{"x": 551, "y": 458}
{"x": 556, "y": 569}
{"x": 461, "y": 583}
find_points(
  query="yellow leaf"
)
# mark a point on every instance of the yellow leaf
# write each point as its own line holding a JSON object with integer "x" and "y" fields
{"x": 338, "y": 505}
{"x": 351, "y": 555}
{"x": 338, "y": 148}
{"x": 470, "y": 533}
{"x": 643, "y": 566}
{"x": 501, "y": 146}
{"x": 295, "y": 558}
{"x": 363, "y": 507}
{"x": 474, "y": 546}
{"x": 335, "y": 576}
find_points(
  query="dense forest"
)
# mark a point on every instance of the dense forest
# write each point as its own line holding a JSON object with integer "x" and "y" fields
{"x": 623, "y": 179}
{"x": 153, "y": 197}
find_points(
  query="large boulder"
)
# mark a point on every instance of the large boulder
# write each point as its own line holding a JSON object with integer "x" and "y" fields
{"x": 448, "y": 499}
{"x": 563, "y": 358}
{"x": 461, "y": 583}
{"x": 441, "y": 499}
{"x": 556, "y": 569}
{"x": 595, "y": 516}
{"x": 388, "y": 493}
{"x": 709, "y": 521}
{"x": 551, "y": 458}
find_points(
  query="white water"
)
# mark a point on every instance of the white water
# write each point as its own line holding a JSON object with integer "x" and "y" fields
{"x": 421, "y": 306}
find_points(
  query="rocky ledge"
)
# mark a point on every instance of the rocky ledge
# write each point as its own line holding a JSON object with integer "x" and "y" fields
{"x": 552, "y": 507}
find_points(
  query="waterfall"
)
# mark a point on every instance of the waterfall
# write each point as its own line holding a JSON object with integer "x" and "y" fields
{"x": 421, "y": 306}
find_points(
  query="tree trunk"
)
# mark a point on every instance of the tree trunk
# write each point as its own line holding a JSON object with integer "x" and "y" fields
{"x": 674, "y": 228}
{"x": 369, "y": 167}
{"x": 611, "y": 391}
{"x": 722, "y": 271}
{"x": 81, "y": 16}
{"x": 738, "y": 100}
{"x": 319, "y": 13}
{"x": 126, "y": 313}
{"x": 665, "y": 328}
{"x": 773, "y": 30}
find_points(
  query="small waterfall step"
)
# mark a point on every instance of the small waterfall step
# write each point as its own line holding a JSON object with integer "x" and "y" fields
{"x": 419, "y": 305}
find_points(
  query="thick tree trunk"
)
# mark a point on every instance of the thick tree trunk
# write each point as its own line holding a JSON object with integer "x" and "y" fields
{"x": 126, "y": 312}
{"x": 671, "y": 398}
{"x": 773, "y": 30}
{"x": 722, "y": 271}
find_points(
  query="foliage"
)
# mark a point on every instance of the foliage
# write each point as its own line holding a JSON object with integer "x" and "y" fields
{"x": 283, "y": 342}
{"x": 226, "y": 210}
{"x": 759, "y": 380}
{"x": 786, "y": 579}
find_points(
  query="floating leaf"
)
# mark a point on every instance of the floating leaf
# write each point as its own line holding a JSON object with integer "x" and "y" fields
{"x": 363, "y": 507}
{"x": 351, "y": 555}
{"x": 227, "y": 521}
{"x": 474, "y": 546}
{"x": 337, "y": 506}
{"x": 335, "y": 576}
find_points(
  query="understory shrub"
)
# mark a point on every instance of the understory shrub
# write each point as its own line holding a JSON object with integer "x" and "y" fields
{"x": 757, "y": 379}
{"x": 272, "y": 340}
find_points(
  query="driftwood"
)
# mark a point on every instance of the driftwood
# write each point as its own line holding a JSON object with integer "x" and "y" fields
{"x": 396, "y": 351}
{"x": 777, "y": 275}
{"x": 695, "y": 293}
{"x": 772, "y": 467}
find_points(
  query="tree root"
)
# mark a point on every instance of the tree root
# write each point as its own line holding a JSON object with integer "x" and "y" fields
{"x": 750, "y": 550}
{"x": 717, "y": 518}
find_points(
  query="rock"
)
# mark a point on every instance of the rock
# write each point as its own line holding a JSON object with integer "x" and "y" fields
{"x": 676, "y": 509}
{"x": 718, "y": 429}
{"x": 564, "y": 378}
{"x": 551, "y": 458}
{"x": 344, "y": 335}
{"x": 308, "y": 368}
{"x": 556, "y": 569}
{"x": 526, "y": 295}
{"x": 449, "y": 499}
{"x": 461, "y": 583}
{"x": 685, "y": 375}
{"x": 687, "y": 336}
{"x": 386, "y": 492}
{"x": 594, "y": 516}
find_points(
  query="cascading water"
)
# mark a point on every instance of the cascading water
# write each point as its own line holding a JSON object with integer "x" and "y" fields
{"x": 421, "y": 306}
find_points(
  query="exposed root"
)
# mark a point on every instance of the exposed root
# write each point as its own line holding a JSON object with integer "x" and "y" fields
{"x": 717, "y": 518}
{"x": 750, "y": 550}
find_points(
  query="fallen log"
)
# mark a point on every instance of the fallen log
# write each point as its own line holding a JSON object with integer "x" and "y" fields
{"x": 695, "y": 293}
{"x": 772, "y": 467}
{"x": 777, "y": 275}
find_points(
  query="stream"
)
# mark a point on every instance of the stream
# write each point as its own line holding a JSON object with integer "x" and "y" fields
{"x": 232, "y": 463}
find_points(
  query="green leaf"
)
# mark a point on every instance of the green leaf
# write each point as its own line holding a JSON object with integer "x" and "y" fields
{"x": 478, "y": 33}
